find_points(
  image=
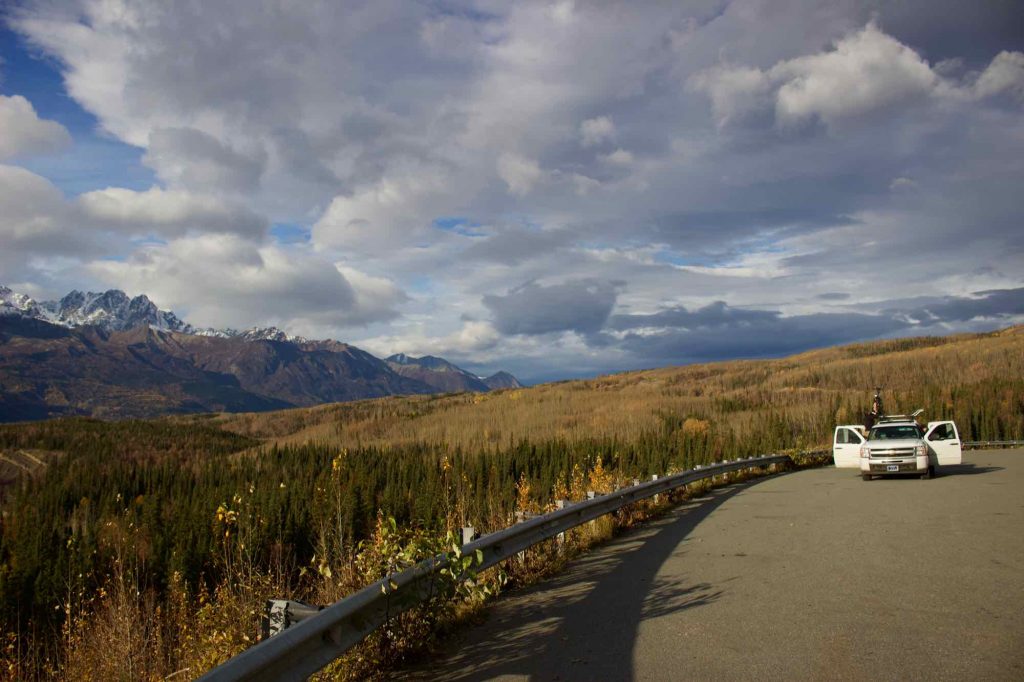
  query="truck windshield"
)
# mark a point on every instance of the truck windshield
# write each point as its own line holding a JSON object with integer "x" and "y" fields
{"x": 893, "y": 433}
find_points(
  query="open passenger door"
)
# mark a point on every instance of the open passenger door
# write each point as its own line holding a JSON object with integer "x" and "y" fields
{"x": 846, "y": 444}
{"x": 944, "y": 440}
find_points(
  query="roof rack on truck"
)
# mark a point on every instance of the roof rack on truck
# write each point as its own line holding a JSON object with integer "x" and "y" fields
{"x": 900, "y": 417}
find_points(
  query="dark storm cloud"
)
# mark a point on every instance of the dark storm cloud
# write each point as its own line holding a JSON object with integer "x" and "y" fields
{"x": 715, "y": 315}
{"x": 719, "y": 331}
{"x": 993, "y": 304}
{"x": 833, "y": 296}
{"x": 947, "y": 29}
{"x": 579, "y": 305}
{"x": 731, "y": 333}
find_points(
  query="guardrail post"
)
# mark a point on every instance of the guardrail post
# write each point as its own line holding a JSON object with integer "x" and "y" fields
{"x": 560, "y": 538}
{"x": 592, "y": 524}
{"x": 281, "y": 614}
{"x": 657, "y": 498}
{"x": 520, "y": 517}
{"x": 468, "y": 535}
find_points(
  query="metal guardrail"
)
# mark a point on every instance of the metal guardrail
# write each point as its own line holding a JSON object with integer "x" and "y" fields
{"x": 305, "y": 648}
{"x": 979, "y": 444}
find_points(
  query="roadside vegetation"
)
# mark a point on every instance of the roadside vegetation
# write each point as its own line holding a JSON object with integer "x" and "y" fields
{"x": 146, "y": 549}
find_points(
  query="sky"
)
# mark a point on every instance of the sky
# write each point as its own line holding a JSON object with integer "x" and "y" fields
{"x": 556, "y": 189}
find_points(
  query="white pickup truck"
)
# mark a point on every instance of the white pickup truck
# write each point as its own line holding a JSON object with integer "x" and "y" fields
{"x": 897, "y": 445}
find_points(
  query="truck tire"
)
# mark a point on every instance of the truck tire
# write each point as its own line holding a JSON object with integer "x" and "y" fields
{"x": 927, "y": 474}
{"x": 866, "y": 477}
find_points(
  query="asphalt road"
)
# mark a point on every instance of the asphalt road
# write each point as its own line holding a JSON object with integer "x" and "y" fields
{"x": 809, "y": 575}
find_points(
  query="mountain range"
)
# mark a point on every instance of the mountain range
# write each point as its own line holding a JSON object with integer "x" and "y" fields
{"x": 108, "y": 355}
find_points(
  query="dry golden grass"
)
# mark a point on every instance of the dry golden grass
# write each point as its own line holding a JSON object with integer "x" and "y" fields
{"x": 625, "y": 406}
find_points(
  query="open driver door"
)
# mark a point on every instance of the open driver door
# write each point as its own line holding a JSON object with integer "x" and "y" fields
{"x": 944, "y": 441}
{"x": 846, "y": 442}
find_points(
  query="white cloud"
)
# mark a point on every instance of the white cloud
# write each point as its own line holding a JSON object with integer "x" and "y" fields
{"x": 472, "y": 338}
{"x": 23, "y": 133}
{"x": 902, "y": 183}
{"x": 584, "y": 184}
{"x": 735, "y": 92}
{"x": 519, "y": 173}
{"x": 386, "y": 214}
{"x": 376, "y": 297}
{"x": 167, "y": 212}
{"x": 594, "y": 131}
{"x": 192, "y": 159}
{"x": 224, "y": 280}
{"x": 1004, "y": 75}
{"x": 34, "y": 216}
{"x": 620, "y": 157}
{"x": 864, "y": 72}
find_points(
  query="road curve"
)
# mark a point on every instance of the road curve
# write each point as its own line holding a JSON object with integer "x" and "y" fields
{"x": 809, "y": 575}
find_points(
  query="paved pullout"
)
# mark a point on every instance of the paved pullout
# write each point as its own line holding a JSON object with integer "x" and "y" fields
{"x": 809, "y": 575}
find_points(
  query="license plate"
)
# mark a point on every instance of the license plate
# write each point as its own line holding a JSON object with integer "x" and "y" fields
{"x": 893, "y": 467}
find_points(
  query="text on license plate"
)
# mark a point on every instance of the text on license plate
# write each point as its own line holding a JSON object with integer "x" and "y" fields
{"x": 892, "y": 467}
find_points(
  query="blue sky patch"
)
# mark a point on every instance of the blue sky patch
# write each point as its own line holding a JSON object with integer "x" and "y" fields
{"x": 96, "y": 160}
{"x": 458, "y": 225}
{"x": 290, "y": 233}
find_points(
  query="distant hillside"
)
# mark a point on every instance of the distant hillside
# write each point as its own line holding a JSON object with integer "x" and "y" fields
{"x": 978, "y": 379}
{"x": 436, "y": 372}
{"x": 501, "y": 380}
{"x": 111, "y": 356}
{"x": 48, "y": 370}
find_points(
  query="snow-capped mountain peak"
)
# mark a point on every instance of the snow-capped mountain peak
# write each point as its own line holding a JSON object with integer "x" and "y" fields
{"x": 269, "y": 334}
{"x": 13, "y": 303}
{"x": 112, "y": 310}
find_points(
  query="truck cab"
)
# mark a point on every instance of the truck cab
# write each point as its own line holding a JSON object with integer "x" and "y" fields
{"x": 899, "y": 445}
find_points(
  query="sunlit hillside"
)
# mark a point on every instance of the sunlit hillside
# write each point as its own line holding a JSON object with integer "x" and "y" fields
{"x": 975, "y": 379}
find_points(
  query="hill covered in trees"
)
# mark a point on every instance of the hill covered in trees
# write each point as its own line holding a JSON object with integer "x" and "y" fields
{"x": 155, "y": 542}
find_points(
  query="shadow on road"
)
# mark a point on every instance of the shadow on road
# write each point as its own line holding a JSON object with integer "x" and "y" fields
{"x": 966, "y": 470}
{"x": 582, "y": 624}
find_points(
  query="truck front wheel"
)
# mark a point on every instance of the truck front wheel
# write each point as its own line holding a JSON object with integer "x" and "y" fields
{"x": 866, "y": 477}
{"x": 928, "y": 473}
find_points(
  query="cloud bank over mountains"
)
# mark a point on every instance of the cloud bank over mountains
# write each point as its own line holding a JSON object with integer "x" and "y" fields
{"x": 558, "y": 188}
